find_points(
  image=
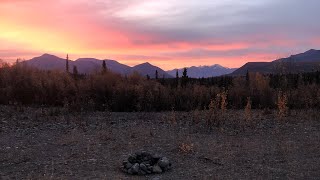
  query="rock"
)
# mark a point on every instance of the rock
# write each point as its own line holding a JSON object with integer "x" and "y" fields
{"x": 163, "y": 162}
{"x": 168, "y": 167}
{"x": 156, "y": 169}
{"x": 146, "y": 162}
{"x": 135, "y": 168}
{"x": 132, "y": 159}
{"x": 128, "y": 165}
{"x": 156, "y": 156}
{"x": 145, "y": 154}
{"x": 138, "y": 154}
{"x": 124, "y": 170}
{"x": 124, "y": 163}
{"x": 142, "y": 172}
{"x": 130, "y": 171}
{"x": 156, "y": 178}
{"x": 143, "y": 167}
{"x": 142, "y": 163}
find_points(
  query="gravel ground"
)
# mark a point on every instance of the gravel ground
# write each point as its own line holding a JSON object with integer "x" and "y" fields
{"x": 50, "y": 143}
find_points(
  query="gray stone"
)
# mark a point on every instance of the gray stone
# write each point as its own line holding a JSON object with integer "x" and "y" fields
{"x": 143, "y": 167}
{"x": 146, "y": 162}
{"x": 142, "y": 172}
{"x": 130, "y": 171}
{"x": 164, "y": 162}
{"x": 135, "y": 168}
{"x": 156, "y": 156}
{"x": 156, "y": 169}
{"x": 156, "y": 178}
{"x": 145, "y": 154}
{"x": 142, "y": 163}
{"x": 139, "y": 153}
{"x": 124, "y": 170}
{"x": 124, "y": 163}
{"x": 132, "y": 159}
{"x": 128, "y": 165}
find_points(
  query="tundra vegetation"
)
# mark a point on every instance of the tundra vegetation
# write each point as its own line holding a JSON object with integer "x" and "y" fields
{"x": 62, "y": 125}
{"x": 104, "y": 90}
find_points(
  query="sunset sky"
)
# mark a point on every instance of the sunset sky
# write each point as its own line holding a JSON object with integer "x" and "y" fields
{"x": 166, "y": 33}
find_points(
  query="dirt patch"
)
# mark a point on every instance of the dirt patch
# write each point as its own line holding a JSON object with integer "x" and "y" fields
{"x": 38, "y": 144}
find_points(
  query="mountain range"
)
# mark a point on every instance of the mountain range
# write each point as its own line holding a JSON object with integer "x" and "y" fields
{"x": 304, "y": 62}
{"x": 308, "y": 61}
{"x": 203, "y": 71}
{"x": 89, "y": 65}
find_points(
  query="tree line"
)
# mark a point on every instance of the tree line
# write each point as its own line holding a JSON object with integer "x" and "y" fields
{"x": 105, "y": 90}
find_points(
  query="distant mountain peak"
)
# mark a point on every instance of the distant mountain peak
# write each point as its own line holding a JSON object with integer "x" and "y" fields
{"x": 219, "y": 66}
{"x": 311, "y": 50}
{"x": 149, "y": 69}
{"x": 146, "y": 64}
{"x": 47, "y": 55}
{"x": 303, "y": 62}
{"x": 204, "y": 71}
{"x": 89, "y": 65}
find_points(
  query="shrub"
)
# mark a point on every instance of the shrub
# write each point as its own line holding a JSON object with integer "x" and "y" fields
{"x": 186, "y": 148}
{"x": 282, "y": 104}
{"x": 247, "y": 111}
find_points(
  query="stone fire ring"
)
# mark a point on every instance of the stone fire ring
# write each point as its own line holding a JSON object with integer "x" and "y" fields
{"x": 143, "y": 163}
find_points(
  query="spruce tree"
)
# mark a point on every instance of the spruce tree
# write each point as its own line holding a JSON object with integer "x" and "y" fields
{"x": 185, "y": 73}
{"x": 157, "y": 74}
{"x": 67, "y": 63}
{"x": 104, "y": 66}
{"x": 75, "y": 72}
{"x": 184, "y": 78}
{"x": 247, "y": 78}
{"x": 177, "y": 78}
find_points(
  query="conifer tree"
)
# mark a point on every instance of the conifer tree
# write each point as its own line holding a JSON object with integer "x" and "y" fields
{"x": 177, "y": 78}
{"x": 247, "y": 78}
{"x": 67, "y": 63}
{"x": 185, "y": 73}
{"x": 104, "y": 66}
{"x": 184, "y": 78}
{"x": 75, "y": 71}
{"x": 157, "y": 74}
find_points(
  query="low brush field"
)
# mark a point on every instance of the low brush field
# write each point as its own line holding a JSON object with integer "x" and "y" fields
{"x": 53, "y": 143}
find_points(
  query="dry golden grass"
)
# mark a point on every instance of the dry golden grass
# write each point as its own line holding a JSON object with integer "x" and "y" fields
{"x": 217, "y": 110}
{"x": 282, "y": 105}
{"x": 247, "y": 110}
{"x": 223, "y": 101}
{"x": 172, "y": 117}
{"x": 186, "y": 148}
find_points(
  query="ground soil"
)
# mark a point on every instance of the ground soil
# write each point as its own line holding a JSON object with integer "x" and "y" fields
{"x": 52, "y": 143}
